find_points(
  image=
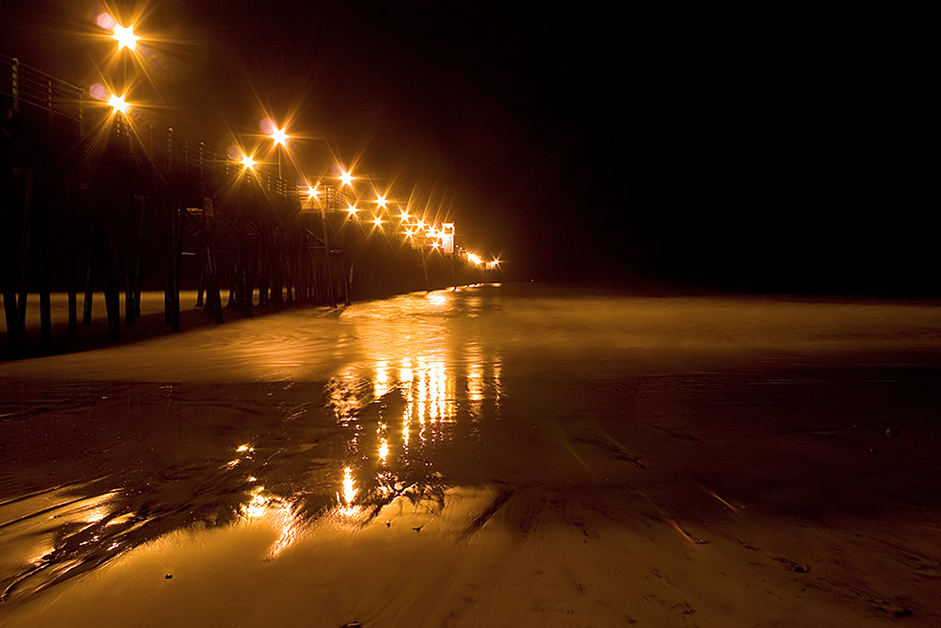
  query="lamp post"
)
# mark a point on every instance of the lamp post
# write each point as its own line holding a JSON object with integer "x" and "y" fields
{"x": 280, "y": 138}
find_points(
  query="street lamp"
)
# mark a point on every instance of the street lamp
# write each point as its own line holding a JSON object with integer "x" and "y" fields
{"x": 280, "y": 137}
{"x": 125, "y": 37}
{"x": 247, "y": 162}
{"x": 118, "y": 103}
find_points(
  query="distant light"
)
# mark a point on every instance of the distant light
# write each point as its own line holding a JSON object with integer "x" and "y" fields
{"x": 346, "y": 178}
{"x": 125, "y": 37}
{"x": 118, "y": 104}
{"x": 381, "y": 200}
{"x": 248, "y": 163}
{"x": 352, "y": 210}
{"x": 377, "y": 221}
{"x": 404, "y": 215}
{"x": 313, "y": 192}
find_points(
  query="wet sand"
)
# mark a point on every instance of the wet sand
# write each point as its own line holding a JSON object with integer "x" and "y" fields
{"x": 487, "y": 457}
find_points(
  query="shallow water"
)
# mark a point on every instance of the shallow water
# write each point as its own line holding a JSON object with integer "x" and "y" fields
{"x": 501, "y": 424}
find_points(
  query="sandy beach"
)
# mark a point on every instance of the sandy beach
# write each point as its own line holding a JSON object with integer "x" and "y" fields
{"x": 489, "y": 456}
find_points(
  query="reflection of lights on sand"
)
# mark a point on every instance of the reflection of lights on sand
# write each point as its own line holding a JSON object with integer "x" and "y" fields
{"x": 97, "y": 508}
{"x": 241, "y": 449}
{"x": 383, "y": 450}
{"x": 405, "y": 373}
{"x": 349, "y": 491}
{"x": 382, "y": 379}
{"x": 437, "y": 297}
{"x": 275, "y": 512}
{"x": 258, "y": 505}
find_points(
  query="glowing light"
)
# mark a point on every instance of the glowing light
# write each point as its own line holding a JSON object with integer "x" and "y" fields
{"x": 118, "y": 104}
{"x": 349, "y": 486}
{"x": 381, "y": 201}
{"x": 346, "y": 178}
{"x": 247, "y": 448}
{"x": 409, "y": 233}
{"x": 352, "y": 210}
{"x": 382, "y": 379}
{"x": 247, "y": 162}
{"x": 313, "y": 192}
{"x": 474, "y": 259}
{"x": 279, "y": 136}
{"x": 377, "y": 221}
{"x": 383, "y": 450}
{"x": 258, "y": 505}
{"x": 404, "y": 215}
{"x": 125, "y": 37}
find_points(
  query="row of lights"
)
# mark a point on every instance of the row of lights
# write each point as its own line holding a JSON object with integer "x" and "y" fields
{"x": 439, "y": 237}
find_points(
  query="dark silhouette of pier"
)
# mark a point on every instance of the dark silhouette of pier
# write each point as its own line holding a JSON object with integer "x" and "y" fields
{"x": 98, "y": 202}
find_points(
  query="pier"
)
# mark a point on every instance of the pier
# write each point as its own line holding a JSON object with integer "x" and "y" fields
{"x": 103, "y": 202}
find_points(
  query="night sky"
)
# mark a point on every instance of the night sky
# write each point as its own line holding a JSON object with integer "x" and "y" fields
{"x": 763, "y": 151}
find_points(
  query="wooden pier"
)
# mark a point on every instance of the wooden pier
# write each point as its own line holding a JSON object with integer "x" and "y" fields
{"x": 93, "y": 203}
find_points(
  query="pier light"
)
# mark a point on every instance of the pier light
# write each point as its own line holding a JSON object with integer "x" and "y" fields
{"x": 351, "y": 209}
{"x": 279, "y": 136}
{"x": 118, "y": 103}
{"x": 346, "y": 178}
{"x": 313, "y": 193}
{"x": 125, "y": 37}
{"x": 247, "y": 162}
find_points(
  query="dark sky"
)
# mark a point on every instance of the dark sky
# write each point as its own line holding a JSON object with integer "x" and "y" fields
{"x": 760, "y": 151}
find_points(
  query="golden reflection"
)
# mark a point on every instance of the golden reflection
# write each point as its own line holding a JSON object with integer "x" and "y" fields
{"x": 258, "y": 505}
{"x": 381, "y": 384}
{"x": 349, "y": 490}
{"x": 383, "y": 450}
{"x": 274, "y": 511}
